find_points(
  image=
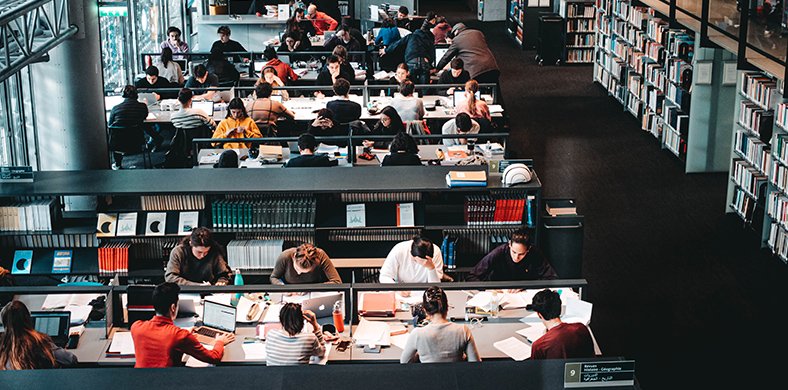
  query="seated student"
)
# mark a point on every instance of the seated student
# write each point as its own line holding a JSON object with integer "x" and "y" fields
{"x": 175, "y": 44}
{"x": 404, "y": 20}
{"x": 461, "y": 124}
{"x": 225, "y": 71}
{"x": 389, "y": 123}
{"x": 158, "y": 343}
{"x": 304, "y": 264}
{"x": 329, "y": 75}
{"x": 169, "y": 69}
{"x": 345, "y": 68}
{"x": 516, "y": 260}
{"x": 289, "y": 345}
{"x": 295, "y": 41}
{"x": 22, "y": 347}
{"x": 283, "y": 70}
{"x": 402, "y": 151}
{"x": 413, "y": 261}
{"x": 307, "y": 144}
{"x": 344, "y": 110}
{"x": 561, "y": 340}
{"x": 299, "y": 21}
{"x": 189, "y": 118}
{"x": 401, "y": 75}
{"x": 344, "y": 39}
{"x": 474, "y": 107}
{"x": 409, "y": 107}
{"x": 153, "y": 81}
{"x": 264, "y": 111}
{"x": 270, "y": 77}
{"x": 198, "y": 260}
{"x": 237, "y": 124}
{"x": 325, "y": 125}
{"x": 388, "y": 34}
{"x": 129, "y": 113}
{"x": 201, "y": 80}
{"x": 228, "y": 159}
{"x": 225, "y": 44}
{"x": 441, "y": 30}
{"x": 441, "y": 341}
{"x": 455, "y": 75}
{"x": 321, "y": 20}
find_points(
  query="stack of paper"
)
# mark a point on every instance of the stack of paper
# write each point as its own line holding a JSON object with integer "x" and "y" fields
{"x": 514, "y": 348}
{"x": 254, "y": 351}
{"x": 122, "y": 345}
{"x": 372, "y": 333}
{"x": 533, "y": 332}
{"x": 577, "y": 310}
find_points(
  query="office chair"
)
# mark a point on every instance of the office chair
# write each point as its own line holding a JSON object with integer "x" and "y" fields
{"x": 129, "y": 141}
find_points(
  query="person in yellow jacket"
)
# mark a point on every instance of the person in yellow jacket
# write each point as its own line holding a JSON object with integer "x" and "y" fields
{"x": 237, "y": 124}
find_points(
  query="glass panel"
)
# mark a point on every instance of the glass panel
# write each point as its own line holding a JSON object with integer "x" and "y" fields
{"x": 114, "y": 50}
{"x": 5, "y": 132}
{"x": 692, "y": 7}
{"x": 174, "y": 9}
{"x": 148, "y": 29}
{"x": 29, "y": 115}
{"x": 764, "y": 32}
{"x": 724, "y": 16}
{"x": 15, "y": 121}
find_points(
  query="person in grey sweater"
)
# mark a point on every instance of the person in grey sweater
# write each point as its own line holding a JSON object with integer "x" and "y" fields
{"x": 408, "y": 107}
{"x": 471, "y": 46}
{"x": 440, "y": 341}
{"x": 198, "y": 260}
{"x": 304, "y": 264}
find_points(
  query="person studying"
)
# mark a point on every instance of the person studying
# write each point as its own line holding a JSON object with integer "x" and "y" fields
{"x": 200, "y": 81}
{"x": 198, "y": 260}
{"x": 153, "y": 81}
{"x": 226, "y": 45}
{"x": 409, "y": 107}
{"x": 264, "y": 111}
{"x": 270, "y": 77}
{"x": 290, "y": 345}
{"x": 344, "y": 109}
{"x": 561, "y": 340}
{"x": 175, "y": 43}
{"x": 402, "y": 151}
{"x": 158, "y": 343}
{"x": 321, "y": 20}
{"x": 237, "y": 124}
{"x": 413, "y": 261}
{"x": 168, "y": 68}
{"x": 307, "y": 158}
{"x": 22, "y": 347}
{"x": 516, "y": 260}
{"x": 304, "y": 264}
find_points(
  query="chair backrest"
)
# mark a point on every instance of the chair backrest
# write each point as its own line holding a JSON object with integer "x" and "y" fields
{"x": 126, "y": 139}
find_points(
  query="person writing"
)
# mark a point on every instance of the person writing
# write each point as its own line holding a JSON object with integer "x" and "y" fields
{"x": 325, "y": 126}
{"x": 344, "y": 109}
{"x": 158, "y": 343}
{"x": 237, "y": 124}
{"x": 22, "y": 347}
{"x": 389, "y": 123}
{"x": 561, "y": 340}
{"x": 200, "y": 81}
{"x": 304, "y": 264}
{"x": 402, "y": 151}
{"x": 175, "y": 43}
{"x": 441, "y": 341}
{"x": 461, "y": 124}
{"x": 413, "y": 261}
{"x": 198, "y": 260}
{"x": 307, "y": 158}
{"x": 290, "y": 346}
{"x": 409, "y": 107}
{"x": 516, "y": 260}
{"x": 454, "y": 75}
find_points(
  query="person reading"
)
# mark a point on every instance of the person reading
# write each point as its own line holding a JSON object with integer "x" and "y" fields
{"x": 441, "y": 341}
{"x": 413, "y": 261}
{"x": 304, "y": 264}
{"x": 200, "y": 81}
{"x": 153, "y": 81}
{"x": 409, "y": 107}
{"x": 461, "y": 124}
{"x": 158, "y": 343}
{"x": 344, "y": 109}
{"x": 307, "y": 158}
{"x": 237, "y": 124}
{"x": 22, "y": 347}
{"x": 389, "y": 123}
{"x": 562, "y": 340}
{"x": 455, "y": 74}
{"x": 198, "y": 260}
{"x": 516, "y": 260}
{"x": 402, "y": 151}
{"x": 270, "y": 76}
{"x": 289, "y": 345}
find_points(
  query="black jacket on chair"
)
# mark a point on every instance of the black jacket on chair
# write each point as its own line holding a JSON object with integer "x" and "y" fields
{"x": 125, "y": 122}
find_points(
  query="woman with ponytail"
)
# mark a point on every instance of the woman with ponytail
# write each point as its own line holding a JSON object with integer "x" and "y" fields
{"x": 441, "y": 340}
{"x": 24, "y": 348}
{"x": 476, "y": 108}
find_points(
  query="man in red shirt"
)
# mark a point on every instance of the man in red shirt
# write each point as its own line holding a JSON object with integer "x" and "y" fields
{"x": 321, "y": 20}
{"x": 159, "y": 343}
{"x": 562, "y": 340}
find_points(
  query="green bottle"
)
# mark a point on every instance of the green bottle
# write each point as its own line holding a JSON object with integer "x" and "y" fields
{"x": 239, "y": 281}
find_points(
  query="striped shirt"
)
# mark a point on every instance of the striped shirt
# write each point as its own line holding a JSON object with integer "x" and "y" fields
{"x": 285, "y": 350}
{"x": 190, "y": 118}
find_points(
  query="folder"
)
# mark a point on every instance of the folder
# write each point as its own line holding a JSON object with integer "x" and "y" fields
{"x": 378, "y": 304}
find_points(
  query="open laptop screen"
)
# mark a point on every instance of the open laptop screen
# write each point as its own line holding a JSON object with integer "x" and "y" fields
{"x": 459, "y": 97}
{"x": 218, "y": 316}
{"x": 204, "y": 106}
{"x": 54, "y": 324}
{"x": 439, "y": 52}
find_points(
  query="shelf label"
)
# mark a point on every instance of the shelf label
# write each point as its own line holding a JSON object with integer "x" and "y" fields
{"x": 16, "y": 174}
{"x": 356, "y": 215}
{"x": 599, "y": 374}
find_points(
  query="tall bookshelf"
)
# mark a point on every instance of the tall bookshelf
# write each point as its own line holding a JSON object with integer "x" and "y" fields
{"x": 522, "y": 17}
{"x": 580, "y": 37}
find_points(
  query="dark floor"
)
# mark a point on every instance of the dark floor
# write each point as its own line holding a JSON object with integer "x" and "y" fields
{"x": 676, "y": 283}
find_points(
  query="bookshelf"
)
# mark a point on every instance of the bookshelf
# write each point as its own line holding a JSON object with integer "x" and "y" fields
{"x": 254, "y": 220}
{"x": 580, "y": 36}
{"x": 522, "y": 17}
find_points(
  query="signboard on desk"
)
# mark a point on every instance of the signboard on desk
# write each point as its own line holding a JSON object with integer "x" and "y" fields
{"x": 16, "y": 174}
{"x": 599, "y": 374}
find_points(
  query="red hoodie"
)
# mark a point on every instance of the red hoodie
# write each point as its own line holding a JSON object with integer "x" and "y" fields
{"x": 440, "y": 31}
{"x": 283, "y": 70}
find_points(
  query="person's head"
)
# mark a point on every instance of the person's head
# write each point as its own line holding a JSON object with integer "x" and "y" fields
{"x": 165, "y": 299}
{"x": 292, "y": 318}
{"x": 200, "y": 73}
{"x": 406, "y": 88}
{"x": 435, "y": 301}
{"x": 440, "y": 20}
{"x": 427, "y": 26}
{"x": 326, "y": 114}
{"x": 519, "y": 245}
{"x": 456, "y": 66}
{"x": 166, "y": 56}
{"x": 341, "y": 87}
{"x": 298, "y": 14}
{"x": 403, "y": 143}
{"x": 152, "y": 74}
{"x": 185, "y": 96}
{"x": 421, "y": 247}
{"x": 200, "y": 242}
{"x": 228, "y": 159}
{"x": 343, "y": 34}
{"x": 389, "y": 117}
{"x": 305, "y": 258}
{"x": 333, "y": 64}
{"x": 388, "y": 23}
{"x": 21, "y": 346}
{"x": 269, "y": 53}
{"x": 471, "y": 87}
{"x": 402, "y": 73}
{"x": 290, "y": 41}
{"x": 263, "y": 90}
{"x": 341, "y": 52}
{"x": 431, "y": 17}
{"x": 130, "y": 92}
{"x": 463, "y": 122}
{"x": 269, "y": 75}
{"x": 546, "y": 303}
{"x": 307, "y": 142}
{"x": 174, "y": 34}
{"x": 402, "y": 12}
{"x": 311, "y": 11}
{"x": 224, "y": 33}
{"x": 236, "y": 109}
{"x": 456, "y": 30}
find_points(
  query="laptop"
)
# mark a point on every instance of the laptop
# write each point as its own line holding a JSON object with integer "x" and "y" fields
{"x": 276, "y": 98}
{"x": 216, "y": 319}
{"x": 459, "y": 96}
{"x": 327, "y": 35}
{"x": 149, "y": 98}
{"x": 205, "y": 106}
{"x": 55, "y": 324}
{"x": 322, "y": 306}
{"x": 224, "y": 96}
{"x": 440, "y": 52}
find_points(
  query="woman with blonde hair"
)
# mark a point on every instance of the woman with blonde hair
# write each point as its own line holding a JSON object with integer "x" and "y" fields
{"x": 473, "y": 106}
{"x": 24, "y": 348}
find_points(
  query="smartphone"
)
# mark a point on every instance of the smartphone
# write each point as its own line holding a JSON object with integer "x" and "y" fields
{"x": 342, "y": 346}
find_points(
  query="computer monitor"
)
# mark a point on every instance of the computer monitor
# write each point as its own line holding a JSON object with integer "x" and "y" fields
{"x": 205, "y": 106}
{"x": 439, "y": 52}
{"x": 55, "y": 324}
{"x": 327, "y": 35}
{"x": 149, "y": 98}
{"x": 182, "y": 64}
{"x": 323, "y": 305}
{"x": 218, "y": 316}
{"x": 276, "y": 98}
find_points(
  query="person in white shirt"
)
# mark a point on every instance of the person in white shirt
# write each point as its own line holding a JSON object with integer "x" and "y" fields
{"x": 413, "y": 261}
{"x": 409, "y": 107}
{"x": 168, "y": 68}
{"x": 461, "y": 124}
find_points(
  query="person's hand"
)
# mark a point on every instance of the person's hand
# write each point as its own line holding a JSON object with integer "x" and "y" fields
{"x": 425, "y": 262}
{"x": 382, "y": 51}
{"x": 225, "y": 338}
{"x": 221, "y": 283}
{"x": 404, "y": 293}
{"x": 334, "y": 73}
{"x": 204, "y": 283}
{"x": 433, "y": 71}
{"x": 230, "y": 132}
{"x": 241, "y": 129}
{"x": 157, "y": 96}
{"x": 368, "y": 143}
{"x": 450, "y": 91}
{"x": 319, "y": 95}
{"x": 310, "y": 317}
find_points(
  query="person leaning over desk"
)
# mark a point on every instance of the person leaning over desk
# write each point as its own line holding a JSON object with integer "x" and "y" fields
{"x": 270, "y": 77}
{"x": 561, "y": 340}
{"x": 456, "y": 74}
{"x": 440, "y": 341}
{"x": 304, "y": 264}
{"x": 321, "y": 20}
{"x": 516, "y": 260}
{"x": 283, "y": 70}
{"x": 187, "y": 117}
{"x": 200, "y": 81}
{"x": 461, "y": 124}
{"x": 329, "y": 75}
{"x": 402, "y": 151}
{"x": 307, "y": 158}
{"x": 237, "y": 124}
{"x": 153, "y": 81}
{"x": 198, "y": 260}
{"x": 413, "y": 261}
{"x": 158, "y": 343}
{"x": 290, "y": 345}
{"x": 22, "y": 347}
{"x": 265, "y": 111}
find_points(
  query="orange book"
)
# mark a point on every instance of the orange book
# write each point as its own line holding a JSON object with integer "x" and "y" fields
{"x": 378, "y": 304}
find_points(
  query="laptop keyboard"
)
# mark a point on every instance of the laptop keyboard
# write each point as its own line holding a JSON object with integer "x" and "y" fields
{"x": 206, "y": 332}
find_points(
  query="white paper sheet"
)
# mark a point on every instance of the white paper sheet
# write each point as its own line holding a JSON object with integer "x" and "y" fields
{"x": 481, "y": 300}
{"x": 122, "y": 344}
{"x": 372, "y": 333}
{"x": 514, "y": 348}
{"x": 79, "y": 314}
{"x": 533, "y": 332}
{"x": 194, "y": 363}
{"x": 514, "y": 300}
{"x": 577, "y": 310}
{"x": 272, "y": 313}
{"x": 254, "y": 351}
{"x": 321, "y": 361}
{"x": 531, "y": 318}
{"x": 224, "y": 299}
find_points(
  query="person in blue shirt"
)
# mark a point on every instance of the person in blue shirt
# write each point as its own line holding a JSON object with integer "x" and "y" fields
{"x": 388, "y": 34}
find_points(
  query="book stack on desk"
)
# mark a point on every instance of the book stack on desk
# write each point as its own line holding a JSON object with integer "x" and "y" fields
{"x": 466, "y": 179}
{"x": 560, "y": 207}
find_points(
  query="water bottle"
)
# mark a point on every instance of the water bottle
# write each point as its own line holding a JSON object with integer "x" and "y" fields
{"x": 494, "y": 305}
{"x": 239, "y": 281}
{"x": 339, "y": 322}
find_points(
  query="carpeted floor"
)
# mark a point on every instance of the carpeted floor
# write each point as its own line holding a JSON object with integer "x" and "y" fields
{"x": 676, "y": 284}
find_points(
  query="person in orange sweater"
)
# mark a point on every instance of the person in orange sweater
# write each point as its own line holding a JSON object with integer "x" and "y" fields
{"x": 159, "y": 343}
{"x": 321, "y": 20}
{"x": 237, "y": 124}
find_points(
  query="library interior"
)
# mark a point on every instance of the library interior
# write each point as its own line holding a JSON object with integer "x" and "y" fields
{"x": 474, "y": 179}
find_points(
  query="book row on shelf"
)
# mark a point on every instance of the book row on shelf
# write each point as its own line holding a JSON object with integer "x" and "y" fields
{"x": 753, "y": 150}
{"x": 778, "y": 241}
{"x": 253, "y": 254}
{"x": 777, "y": 208}
{"x": 744, "y": 204}
{"x": 35, "y": 215}
{"x": 81, "y": 240}
{"x": 580, "y": 31}
{"x": 156, "y": 224}
{"x": 362, "y": 235}
{"x": 172, "y": 202}
{"x": 270, "y": 213}
{"x": 579, "y": 10}
{"x": 489, "y": 210}
{"x": 747, "y": 177}
{"x": 758, "y": 88}
{"x": 113, "y": 258}
{"x": 755, "y": 119}
{"x": 356, "y": 197}
{"x": 782, "y": 116}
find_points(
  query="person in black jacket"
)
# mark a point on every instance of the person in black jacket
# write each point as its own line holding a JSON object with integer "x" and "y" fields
{"x": 516, "y": 260}
{"x": 454, "y": 75}
{"x": 326, "y": 125}
{"x": 306, "y": 146}
{"x": 300, "y": 22}
{"x": 225, "y": 44}
{"x": 419, "y": 53}
{"x": 153, "y": 81}
{"x": 130, "y": 115}
{"x": 330, "y": 73}
{"x": 390, "y": 123}
{"x": 403, "y": 151}
{"x": 223, "y": 69}
{"x": 344, "y": 110}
